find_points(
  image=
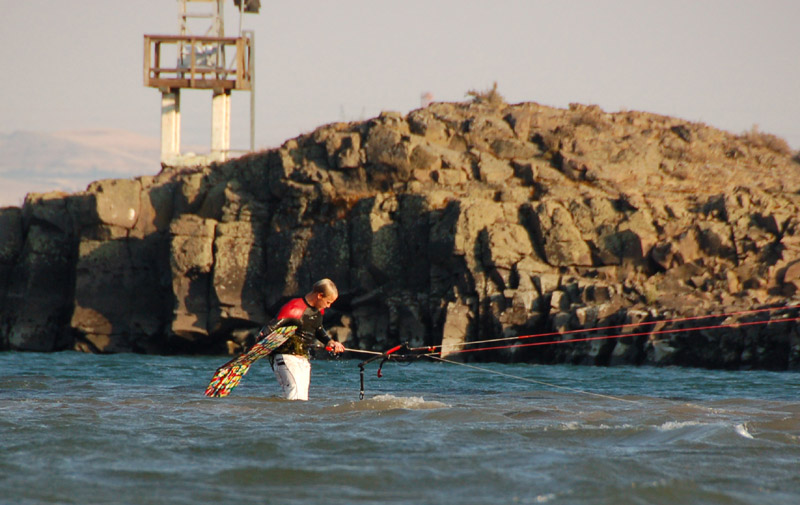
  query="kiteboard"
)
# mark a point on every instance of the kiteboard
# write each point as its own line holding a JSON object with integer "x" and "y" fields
{"x": 228, "y": 375}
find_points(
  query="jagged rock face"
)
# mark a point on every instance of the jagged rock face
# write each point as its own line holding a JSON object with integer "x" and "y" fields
{"x": 455, "y": 223}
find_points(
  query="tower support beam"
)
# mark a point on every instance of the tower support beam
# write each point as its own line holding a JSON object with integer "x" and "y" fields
{"x": 170, "y": 123}
{"x": 221, "y": 124}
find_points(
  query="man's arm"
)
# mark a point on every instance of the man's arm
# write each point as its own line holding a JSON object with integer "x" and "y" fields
{"x": 330, "y": 343}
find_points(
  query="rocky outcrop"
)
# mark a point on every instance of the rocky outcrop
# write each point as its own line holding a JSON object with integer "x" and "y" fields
{"x": 455, "y": 223}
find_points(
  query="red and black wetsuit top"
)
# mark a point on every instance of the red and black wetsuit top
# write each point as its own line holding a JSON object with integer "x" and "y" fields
{"x": 309, "y": 326}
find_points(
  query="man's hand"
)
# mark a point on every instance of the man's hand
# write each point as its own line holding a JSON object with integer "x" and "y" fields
{"x": 335, "y": 347}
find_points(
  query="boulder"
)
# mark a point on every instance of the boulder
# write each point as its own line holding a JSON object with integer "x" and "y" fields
{"x": 425, "y": 122}
{"x": 155, "y": 208}
{"x": 343, "y": 149}
{"x": 504, "y": 245}
{"x": 558, "y": 236}
{"x": 459, "y": 318}
{"x": 791, "y": 276}
{"x": 11, "y": 238}
{"x": 37, "y": 304}
{"x": 118, "y": 302}
{"x": 238, "y": 277}
{"x": 509, "y": 149}
{"x": 51, "y": 210}
{"x": 117, "y": 201}
{"x": 11, "y": 242}
{"x": 386, "y": 146}
{"x": 425, "y": 159}
{"x": 494, "y": 171}
{"x": 191, "y": 262}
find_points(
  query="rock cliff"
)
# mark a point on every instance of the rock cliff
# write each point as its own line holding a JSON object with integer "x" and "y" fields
{"x": 457, "y": 222}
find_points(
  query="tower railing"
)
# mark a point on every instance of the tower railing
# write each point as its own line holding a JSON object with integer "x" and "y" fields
{"x": 200, "y": 62}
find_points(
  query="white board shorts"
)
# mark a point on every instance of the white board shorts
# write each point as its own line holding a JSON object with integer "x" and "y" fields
{"x": 293, "y": 374}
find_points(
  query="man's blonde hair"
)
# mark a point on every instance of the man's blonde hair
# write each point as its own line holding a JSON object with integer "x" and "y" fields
{"x": 327, "y": 288}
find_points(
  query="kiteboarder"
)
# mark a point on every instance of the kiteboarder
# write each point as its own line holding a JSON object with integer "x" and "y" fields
{"x": 290, "y": 361}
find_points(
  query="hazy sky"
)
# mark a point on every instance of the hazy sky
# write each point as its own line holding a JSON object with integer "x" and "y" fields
{"x": 729, "y": 63}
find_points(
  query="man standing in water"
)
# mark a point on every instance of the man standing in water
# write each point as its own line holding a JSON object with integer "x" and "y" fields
{"x": 290, "y": 361}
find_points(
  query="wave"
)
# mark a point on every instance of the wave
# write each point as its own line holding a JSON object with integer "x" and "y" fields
{"x": 677, "y": 425}
{"x": 741, "y": 429}
{"x": 389, "y": 402}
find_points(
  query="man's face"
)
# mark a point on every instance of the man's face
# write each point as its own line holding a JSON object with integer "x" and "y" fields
{"x": 322, "y": 302}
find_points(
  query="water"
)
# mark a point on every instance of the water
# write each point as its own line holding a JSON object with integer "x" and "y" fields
{"x": 130, "y": 429}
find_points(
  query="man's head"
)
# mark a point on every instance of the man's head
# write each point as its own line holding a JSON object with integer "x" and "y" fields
{"x": 323, "y": 294}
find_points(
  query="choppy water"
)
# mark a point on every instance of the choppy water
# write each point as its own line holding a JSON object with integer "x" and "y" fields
{"x": 130, "y": 429}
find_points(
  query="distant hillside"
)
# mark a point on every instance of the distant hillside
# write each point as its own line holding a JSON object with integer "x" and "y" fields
{"x": 70, "y": 160}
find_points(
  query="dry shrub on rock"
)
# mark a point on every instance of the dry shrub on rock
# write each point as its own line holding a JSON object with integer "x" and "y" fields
{"x": 756, "y": 138}
{"x": 489, "y": 96}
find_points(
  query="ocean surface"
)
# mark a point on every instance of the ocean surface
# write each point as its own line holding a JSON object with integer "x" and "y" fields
{"x": 132, "y": 429}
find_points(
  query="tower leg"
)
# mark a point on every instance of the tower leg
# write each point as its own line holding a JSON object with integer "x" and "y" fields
{"x": 170, "y": 124}
{"x": 220, "y": 124}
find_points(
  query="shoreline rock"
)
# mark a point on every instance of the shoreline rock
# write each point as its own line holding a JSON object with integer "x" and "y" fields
{"x": 455, "y": 223}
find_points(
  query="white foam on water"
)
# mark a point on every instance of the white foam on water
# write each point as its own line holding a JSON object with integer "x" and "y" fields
{"x": 741, "y": 429}
{"x": 570, "y": 426}
{"x": 677, "y": 425}
{"x": 387, "y": 401}
{"x": 577, "y": 425}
